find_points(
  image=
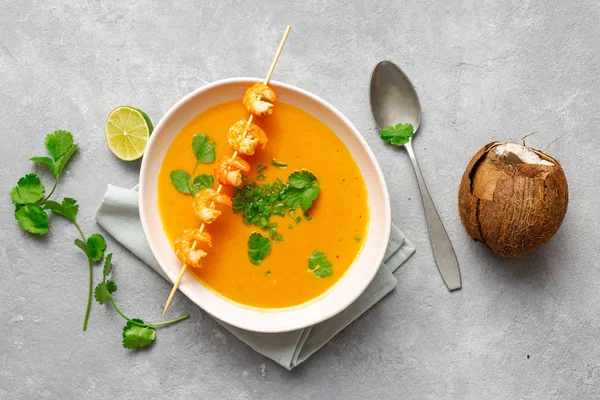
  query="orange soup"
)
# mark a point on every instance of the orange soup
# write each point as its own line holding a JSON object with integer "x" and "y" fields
{"x": 336, "y": 223}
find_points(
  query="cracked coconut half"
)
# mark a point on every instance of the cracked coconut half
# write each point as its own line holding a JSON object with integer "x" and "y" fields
{"x": 512, "y": 198}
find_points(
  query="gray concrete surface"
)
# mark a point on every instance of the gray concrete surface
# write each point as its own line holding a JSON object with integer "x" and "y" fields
{"x": 485, "y": 70}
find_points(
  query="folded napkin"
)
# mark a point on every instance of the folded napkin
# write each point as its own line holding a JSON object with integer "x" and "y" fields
{"x": 119, "y": 216}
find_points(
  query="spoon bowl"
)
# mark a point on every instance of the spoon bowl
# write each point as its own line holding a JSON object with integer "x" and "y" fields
{"x": 393, "y": 97}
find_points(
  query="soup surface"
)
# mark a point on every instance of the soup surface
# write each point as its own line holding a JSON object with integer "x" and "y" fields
{"x": 338, "y": 218}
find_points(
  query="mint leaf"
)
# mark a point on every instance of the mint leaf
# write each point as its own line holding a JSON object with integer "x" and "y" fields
{"x": 101, "y": 293}
{"x": 303, "y": 190}
{"x": 397, "y": 135}
{"x": 204, "y": 148}
{"x": 107, "y": 266}
{"x": 203, "y": 181}
{"x": 97, "y": 244}
{"x": 68, "y": 208}
{"x": 58, "y": 143}
{"x": 136, "y": 336}
{"x": 29, "y": 189}
{"x": 319, "y": 264}
{"x": 259, "y": 247}
{"x": 278, "y": 164}
{"x": 181, "y": 180}
{"x": 32, "y": 218}
{"x": 47, "y": 161}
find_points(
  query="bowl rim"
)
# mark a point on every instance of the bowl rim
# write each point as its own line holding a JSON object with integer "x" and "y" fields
{"x": 144, "y": 211}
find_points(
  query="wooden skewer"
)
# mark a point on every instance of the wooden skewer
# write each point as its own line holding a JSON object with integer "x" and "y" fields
{"x": 235, "y": 154}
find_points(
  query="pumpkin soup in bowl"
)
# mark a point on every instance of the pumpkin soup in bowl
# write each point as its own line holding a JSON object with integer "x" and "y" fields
{"x": 334, "y": 225}
{"x": 308, "y": 224}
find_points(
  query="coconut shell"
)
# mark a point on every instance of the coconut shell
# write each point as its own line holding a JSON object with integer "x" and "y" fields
{"x": 511, "y": 206}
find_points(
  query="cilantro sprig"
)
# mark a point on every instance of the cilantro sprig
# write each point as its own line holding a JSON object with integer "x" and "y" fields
{"x": 31, "y": 213}
{"x": 302, "y": 190}
{"x": 319, "y": 265}
{"x": 259, "y": 247}
{"x": 398, "y": 134}
{"x": 203, "y": 147}
{"x": 136, "y": 333}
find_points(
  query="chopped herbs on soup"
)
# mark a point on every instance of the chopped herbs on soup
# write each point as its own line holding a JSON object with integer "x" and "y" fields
{"x": 278, "y": 164}
{"x": 319, "y": 265}
{"x": 258, "y": 202}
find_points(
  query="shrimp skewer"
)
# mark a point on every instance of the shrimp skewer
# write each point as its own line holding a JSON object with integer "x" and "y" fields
{"x": 234, "y": 156}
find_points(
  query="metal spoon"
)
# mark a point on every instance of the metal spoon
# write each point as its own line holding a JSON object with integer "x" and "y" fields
{"x": 394, "y": 100}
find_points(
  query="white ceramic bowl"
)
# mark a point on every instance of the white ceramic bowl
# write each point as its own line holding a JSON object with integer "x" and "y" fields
{"x": 337, "y": 298}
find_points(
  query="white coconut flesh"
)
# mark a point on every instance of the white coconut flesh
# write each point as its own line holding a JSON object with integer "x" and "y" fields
{"x": 517, "y": 154}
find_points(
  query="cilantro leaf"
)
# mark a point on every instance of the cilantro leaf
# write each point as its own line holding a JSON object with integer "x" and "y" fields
{"x": 61, "y": 162}
{"x": 68, "y": 208}
{"x": 303, "y": 190}
{"x": 32, "y": 218}
{"x": 47, "y": 161}
{"x": 302, "y": 179}
{"x": 83, "y": 246}
{"x": 259, "y": 247}
{"x": 136, "y": 336}
{"x": 107, "y": 266}
{"x": 97, "y": 244}
{"x": 58, "y": 143}
{"x": 204, "y": 148}
{"x": 203, "y": 181}
{"x": 278, "y": 164}
{"x": 29, "y": 189}
{"x": 111, "y": 286}
{"x": 101, "y": 293}
{"x": 319, "y": 264}
{"x": 397, "y": 135}
{"x": 181, "y": 180}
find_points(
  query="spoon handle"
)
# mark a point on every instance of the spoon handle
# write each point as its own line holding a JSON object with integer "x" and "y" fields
{"x": 443, "y": 252}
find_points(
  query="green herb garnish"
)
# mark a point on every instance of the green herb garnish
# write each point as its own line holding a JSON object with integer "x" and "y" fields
{"x": 259, "y": 247}
{"x": 397, "y": 135}
{"x": 261, "y": 168}
{"x": 136, "y": 333}
{"x": 302, "y": 190}
{"x": 203, "y": 181}
{"x": 31, "y": 214}
{"x": 319, "y": 265}
{"x": 278, "y": 164}
{"x": 261, "y": 177}
{"x": 203, "y": 147}
{"x": 276, "y": 237}
{"x": 357, "y": 238}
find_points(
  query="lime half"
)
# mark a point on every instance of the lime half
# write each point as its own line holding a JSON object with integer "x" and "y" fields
{"x": 127, "y": 131}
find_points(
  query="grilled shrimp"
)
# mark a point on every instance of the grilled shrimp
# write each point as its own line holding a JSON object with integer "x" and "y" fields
{"x": 228, "y": 170}
{"x": 253, "y": 99}
{"x": 245, "y": 142}
{"x": 202, "y": 204}
{"x": 187, "y": 247}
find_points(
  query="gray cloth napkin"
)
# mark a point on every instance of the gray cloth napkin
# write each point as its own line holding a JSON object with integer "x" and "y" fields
{"x": 119, "y": 216}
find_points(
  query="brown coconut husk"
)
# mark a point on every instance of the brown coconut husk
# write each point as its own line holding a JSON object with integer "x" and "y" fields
{"x": 510, "y": 206}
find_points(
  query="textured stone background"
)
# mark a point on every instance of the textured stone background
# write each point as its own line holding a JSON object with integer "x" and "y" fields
{"x": 485, "y": 70}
